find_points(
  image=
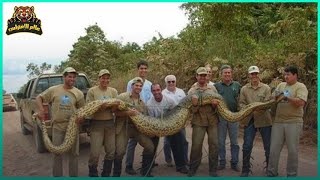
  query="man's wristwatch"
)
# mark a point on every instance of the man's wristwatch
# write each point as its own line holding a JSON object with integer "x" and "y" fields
{"x": 285, "y": 98}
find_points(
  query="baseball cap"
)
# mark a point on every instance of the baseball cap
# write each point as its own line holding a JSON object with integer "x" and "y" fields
{"x": 103, "y": 72}
{"x": 69, "y": 70}
{"x": 202, "y": 70}
{"x": 137, "y": 79}
{"x": 253, "y": 69}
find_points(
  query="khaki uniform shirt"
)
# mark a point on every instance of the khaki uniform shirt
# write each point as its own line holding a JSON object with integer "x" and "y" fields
{"x": 203, "y": 115}
{"x": 64, "y": 103}
{"x": 138, "y": 105}
{"x": 250, "y": 94}
{"x": 95, "y": 93}
{"x": 286, "y": 112}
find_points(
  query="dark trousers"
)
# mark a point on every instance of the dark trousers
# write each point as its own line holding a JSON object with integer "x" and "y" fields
{"x": 155, "y": 141}
{"x": 167, "y": 148}
{"x": 249, "y": 135}
{"x": 177, "y": 147}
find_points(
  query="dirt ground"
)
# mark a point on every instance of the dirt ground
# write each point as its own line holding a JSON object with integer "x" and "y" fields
{"x": 21, "y": 159}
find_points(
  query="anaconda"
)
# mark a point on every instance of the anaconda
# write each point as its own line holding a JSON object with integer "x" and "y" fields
{"x": 72, "y": 129}
{"x": 151, "y": 126}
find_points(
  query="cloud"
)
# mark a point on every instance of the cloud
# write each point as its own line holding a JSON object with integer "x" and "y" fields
{"x": 124, "y": 22}
{"x": 12, "y": 83}
{"x": 15, "y": 75}
{"x": 14, "y": 67}
{"x": 19, "y": 67}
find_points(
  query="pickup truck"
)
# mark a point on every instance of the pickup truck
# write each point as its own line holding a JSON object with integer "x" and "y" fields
{"x": 28, "y": 105}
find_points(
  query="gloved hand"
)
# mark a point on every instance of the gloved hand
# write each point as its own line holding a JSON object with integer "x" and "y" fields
{"x": 277, "y": 93}
{"x": 286, "y": 94}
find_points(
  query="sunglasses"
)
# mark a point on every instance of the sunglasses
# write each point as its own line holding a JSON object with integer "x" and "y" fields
{"x": 171, "y": 82}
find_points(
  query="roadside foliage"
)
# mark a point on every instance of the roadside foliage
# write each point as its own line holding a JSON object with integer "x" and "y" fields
{"x": 269, "y": 35}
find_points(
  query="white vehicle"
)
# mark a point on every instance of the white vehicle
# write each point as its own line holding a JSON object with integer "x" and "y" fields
{"x": 9, "y": 103}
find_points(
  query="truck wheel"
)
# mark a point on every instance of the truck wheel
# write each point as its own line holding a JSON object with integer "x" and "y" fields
{"x": 37, "y": 135}
{"x": 24, "y": 130}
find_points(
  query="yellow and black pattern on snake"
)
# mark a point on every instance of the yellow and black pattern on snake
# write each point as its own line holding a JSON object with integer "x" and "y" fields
{"x": 177, "y": 118}
{"x": 72, "y": 129}
{"x": 151, "y": 126}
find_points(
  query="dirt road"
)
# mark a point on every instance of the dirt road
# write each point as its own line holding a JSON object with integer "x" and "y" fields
{"x": 21, "y": 159}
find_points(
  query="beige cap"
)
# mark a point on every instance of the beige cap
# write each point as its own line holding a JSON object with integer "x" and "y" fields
{"x": 137, "y": 79}
{"x": 69, "y": 70}
{"x": 103, "y": 72}
{"x": 202, "y": 70}
{"x": 253, "y": 69}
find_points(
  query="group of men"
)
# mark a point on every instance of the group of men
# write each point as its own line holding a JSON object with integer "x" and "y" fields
{"x": 113, "y": 129}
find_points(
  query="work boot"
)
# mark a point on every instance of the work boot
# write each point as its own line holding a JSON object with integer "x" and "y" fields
{"x": 213, "y": 165}
{"x": 246, "y": 163}
{"x": 117, "y": 166}
{"x": 130, "y": 170}
{"x": 221, "y": 167}
{"x": 147, "y": 163}
{"x": 235, "y": 168}
{"x": 191, "y": 173}
{"x": 244, "y": 174}
{"x": 93, "y": 172}
{"x": 169, "y": 164}
{"x": 107, "y": 166}
{"x": 271, "y": 174}
{"x": 213, "y": 174}
{"x": 182, "y": 170}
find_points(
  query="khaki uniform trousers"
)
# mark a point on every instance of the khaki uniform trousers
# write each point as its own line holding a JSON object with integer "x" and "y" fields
{"x": 130, "y": 131}
{"x": 280, "y": 133}
{"x": 198, "y": 134}
{"x": 102, "y": 133}
{"x": 57, "y": 139}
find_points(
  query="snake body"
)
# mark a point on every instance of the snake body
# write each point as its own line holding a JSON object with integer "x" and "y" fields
{"x": 152, "y": 126}
{"x": 72, "y": 129}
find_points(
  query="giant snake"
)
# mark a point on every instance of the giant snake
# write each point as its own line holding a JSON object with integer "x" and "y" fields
{"x": 152, "y": 126}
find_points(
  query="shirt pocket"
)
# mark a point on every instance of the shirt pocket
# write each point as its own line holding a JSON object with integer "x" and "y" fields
{"x": 261, "y": 97}
{"x": 235, "y": 92}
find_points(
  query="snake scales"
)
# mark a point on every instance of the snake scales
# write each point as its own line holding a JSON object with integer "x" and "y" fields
{"x": 151, "y": 126}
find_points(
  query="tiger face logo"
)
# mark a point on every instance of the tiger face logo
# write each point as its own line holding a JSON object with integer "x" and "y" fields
{"x": 24, "y": 20}
{"x": 24, "y": 13}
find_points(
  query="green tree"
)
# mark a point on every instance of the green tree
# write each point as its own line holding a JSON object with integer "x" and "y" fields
{"x": 22, "y": 88}
{"x": 35, "y": 70}
{"x": 93, "y": 52}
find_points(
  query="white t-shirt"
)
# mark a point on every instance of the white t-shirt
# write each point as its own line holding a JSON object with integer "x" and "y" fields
{"x": 159, "y": 109}
{"x": 211, "y": 83}
{"x": 176, "y": 96}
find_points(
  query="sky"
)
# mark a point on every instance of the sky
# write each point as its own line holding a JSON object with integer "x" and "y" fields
{"x": 64, "y": 23}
